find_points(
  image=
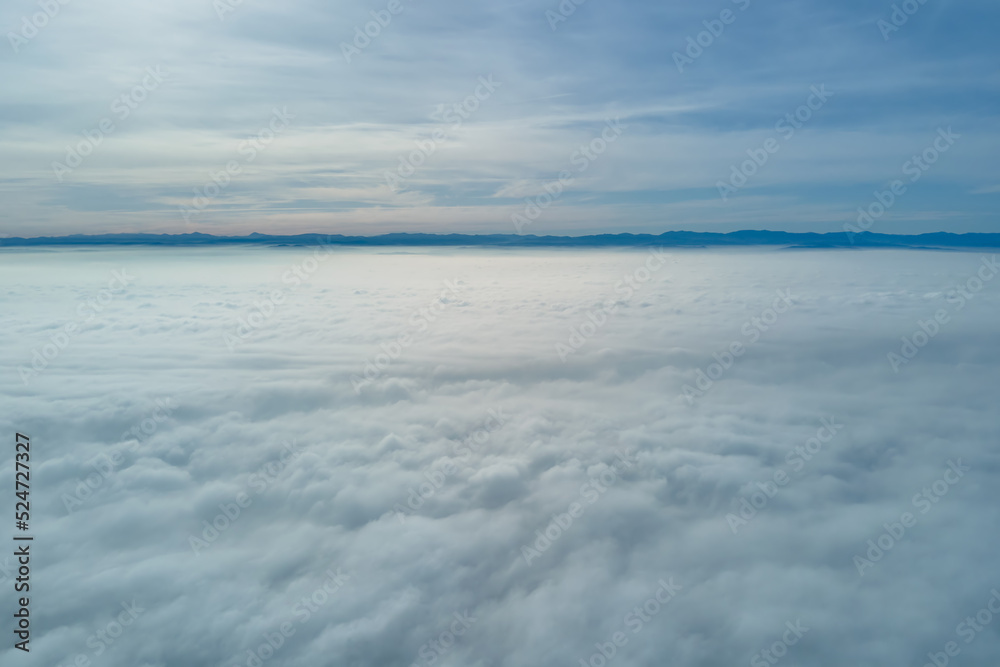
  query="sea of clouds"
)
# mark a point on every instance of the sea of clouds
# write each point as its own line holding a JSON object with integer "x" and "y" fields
{"x": 468, "y": 457}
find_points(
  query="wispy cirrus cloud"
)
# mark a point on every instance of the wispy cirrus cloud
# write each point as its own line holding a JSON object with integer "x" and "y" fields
{"x": 328, "y": 171}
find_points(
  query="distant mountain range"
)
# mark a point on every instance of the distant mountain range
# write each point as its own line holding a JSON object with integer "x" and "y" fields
{"x": 669, "y": 239}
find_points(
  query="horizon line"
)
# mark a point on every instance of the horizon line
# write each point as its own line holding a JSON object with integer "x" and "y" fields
{"x": 745, "y": 237}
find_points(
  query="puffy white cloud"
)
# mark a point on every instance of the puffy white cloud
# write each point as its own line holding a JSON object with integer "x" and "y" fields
{"x": 374, "y": 523}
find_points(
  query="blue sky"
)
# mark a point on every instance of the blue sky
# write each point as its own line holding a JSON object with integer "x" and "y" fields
{"x": 313, "y": 142}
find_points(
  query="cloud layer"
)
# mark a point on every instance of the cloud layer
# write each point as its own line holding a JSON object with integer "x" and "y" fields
{"x": 696, "y": 483}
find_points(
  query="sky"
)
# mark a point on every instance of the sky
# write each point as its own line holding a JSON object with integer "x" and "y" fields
{"x": 530, "y": 116}
{"x": 358, "y": 445}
